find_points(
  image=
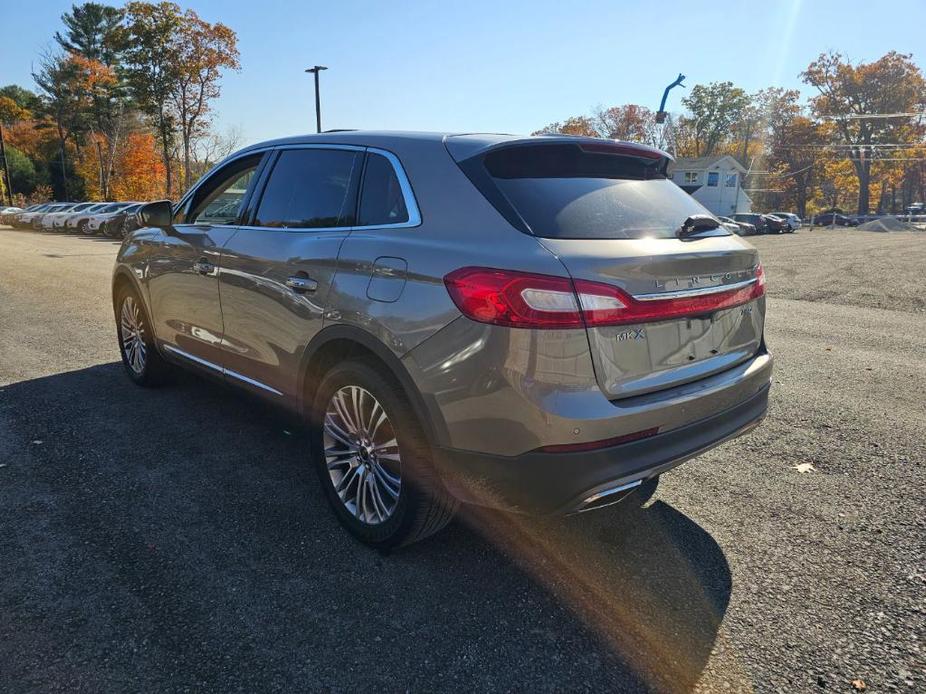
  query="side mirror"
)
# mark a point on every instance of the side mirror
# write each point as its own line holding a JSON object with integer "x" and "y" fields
{"x": 156, "y": 214}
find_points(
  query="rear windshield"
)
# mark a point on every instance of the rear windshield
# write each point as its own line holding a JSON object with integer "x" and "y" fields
{"x": 564, "y": 191}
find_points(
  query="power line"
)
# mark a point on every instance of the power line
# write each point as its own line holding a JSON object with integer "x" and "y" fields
{"x": 873, "y": 116}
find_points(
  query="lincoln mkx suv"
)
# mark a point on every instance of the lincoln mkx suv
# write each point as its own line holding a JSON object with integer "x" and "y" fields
{"x": 538, "y": 324}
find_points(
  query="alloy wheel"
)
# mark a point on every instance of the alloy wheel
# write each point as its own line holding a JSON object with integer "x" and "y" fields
{"x": 362, "y": 455}
{"x": 132, "y": 332}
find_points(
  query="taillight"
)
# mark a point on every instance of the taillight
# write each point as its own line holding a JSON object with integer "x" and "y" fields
{"x": 525, "y": 300}
{"x": 515, "y": 299}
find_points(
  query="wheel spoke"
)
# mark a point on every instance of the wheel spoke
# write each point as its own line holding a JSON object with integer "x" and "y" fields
{"x": 389, "y": 484}
{"x": 376, "y": 501}
{"x": 341, "y": 410}
{"x": 344, "y": 483}
{"x": 338, "y": 434}
{"x": 358, "y": 492}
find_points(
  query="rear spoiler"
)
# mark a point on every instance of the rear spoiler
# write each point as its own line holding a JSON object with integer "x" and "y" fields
{"x": 463, "y": 147}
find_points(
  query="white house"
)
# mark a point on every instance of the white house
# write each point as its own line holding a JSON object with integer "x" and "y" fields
{"x": 715, "y": 182}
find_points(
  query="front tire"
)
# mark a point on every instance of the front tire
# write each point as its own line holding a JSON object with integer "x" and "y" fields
{"x": 142, "y": 362}
{"x": 373, "y": 459}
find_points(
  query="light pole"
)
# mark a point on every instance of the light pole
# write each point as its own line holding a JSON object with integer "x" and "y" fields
{"x": 318, "y": 106}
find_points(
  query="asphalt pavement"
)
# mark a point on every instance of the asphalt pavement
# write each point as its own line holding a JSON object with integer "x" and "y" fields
{"x": 176, "y": 539}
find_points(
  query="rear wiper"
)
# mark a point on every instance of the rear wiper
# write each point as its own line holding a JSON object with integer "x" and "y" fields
{"x": 695, "y": 224}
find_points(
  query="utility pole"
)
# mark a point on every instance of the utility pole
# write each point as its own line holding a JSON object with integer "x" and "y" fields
{"x": 318, "y": 106}
{"x": 6, "y": 169}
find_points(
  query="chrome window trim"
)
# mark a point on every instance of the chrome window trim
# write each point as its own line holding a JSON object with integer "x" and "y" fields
{"x": 408, "y": 193}
{"x": 220, "y": 369}
{"x": 411, "y": 203}
{"x": 686, "y": 293}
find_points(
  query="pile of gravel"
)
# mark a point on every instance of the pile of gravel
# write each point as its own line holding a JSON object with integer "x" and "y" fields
{"x": 886, "y": 224}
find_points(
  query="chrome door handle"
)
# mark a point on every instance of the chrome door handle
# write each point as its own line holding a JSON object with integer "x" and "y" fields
{"x": 203, "y": 267}
{"x": 301, "y": 285}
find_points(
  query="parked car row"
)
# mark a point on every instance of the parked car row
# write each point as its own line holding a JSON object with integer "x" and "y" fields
{"x": 749, "y": 224}
{"x": 8, "y": 212}
{"x": 828, "y": 219}
{"x": 113, "y": 219}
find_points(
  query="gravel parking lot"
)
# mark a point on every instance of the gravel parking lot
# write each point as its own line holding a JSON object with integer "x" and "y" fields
{"x": 175, "y": 540}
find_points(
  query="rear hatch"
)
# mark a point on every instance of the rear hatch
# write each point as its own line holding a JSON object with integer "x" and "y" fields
{"x": 609, "y": 213}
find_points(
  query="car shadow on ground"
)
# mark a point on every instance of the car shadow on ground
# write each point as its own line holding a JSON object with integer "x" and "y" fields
{"x": 178, "y": 538}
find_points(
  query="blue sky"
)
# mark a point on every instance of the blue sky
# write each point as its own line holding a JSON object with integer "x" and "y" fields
{"x": 499, "y": 66}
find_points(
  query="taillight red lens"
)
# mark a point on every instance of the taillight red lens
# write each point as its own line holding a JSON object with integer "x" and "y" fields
{"x": 525, "y": 300}
{"x": 515, "y": 299}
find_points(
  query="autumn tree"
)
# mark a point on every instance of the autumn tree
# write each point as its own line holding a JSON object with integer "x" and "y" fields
{"x": 863, "y": 102}
{"x": 95, "y": 41}
{"x": 797, "y": 154}
{"x": 97, "y": 86}
{"x": 154, "y": 69}
{"x": 713, "y": 111}
{"x": 629, "y": 122}
{"x": 212, "y": 148}
{"x": 577, "y": 125}
{"x": 59, "y": 78}
{"x": 203, "y": 50}
{"x": 10, "y": 112}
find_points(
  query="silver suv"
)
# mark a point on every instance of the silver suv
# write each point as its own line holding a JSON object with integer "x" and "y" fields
{"x": 538, "y": 324}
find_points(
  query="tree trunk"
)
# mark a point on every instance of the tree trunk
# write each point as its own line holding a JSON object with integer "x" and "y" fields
{"x": 186, "y": 160}
{"x": 863, "y": 173}
{"x": 62, "y": 140}
{"x": 801, "y": 198}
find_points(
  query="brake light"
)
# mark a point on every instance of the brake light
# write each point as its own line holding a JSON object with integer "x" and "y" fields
{"x": 526, "y": 300}
{"x": 515, "y": 299}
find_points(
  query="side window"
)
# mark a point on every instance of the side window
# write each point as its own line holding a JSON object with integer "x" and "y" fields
{"x": 310, "y": 188}
{"x": 381, "y": 199}
{"x": 691, "y": 177}
{"x": 712, "y": 178}
{"x": 218, "y": 200}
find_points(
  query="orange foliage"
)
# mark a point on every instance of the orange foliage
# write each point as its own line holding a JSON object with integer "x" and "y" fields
{"x": 138, "y": 171}
{"x": 31, "y": 137}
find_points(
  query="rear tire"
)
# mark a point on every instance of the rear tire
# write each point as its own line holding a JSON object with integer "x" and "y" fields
{"x": 140, "y": 357}
{"x": 378, "y": 475}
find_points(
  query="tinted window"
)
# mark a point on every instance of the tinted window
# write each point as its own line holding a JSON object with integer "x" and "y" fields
{"x": 310, "y": 188}
{"x": 563, "y": 191}
{"x": 381, "y": 201}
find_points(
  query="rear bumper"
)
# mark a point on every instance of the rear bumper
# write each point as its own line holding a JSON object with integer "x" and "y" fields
{"x": 545, "y": 483}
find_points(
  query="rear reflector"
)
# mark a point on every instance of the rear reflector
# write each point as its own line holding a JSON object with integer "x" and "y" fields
{"x": 603, "y": 443}
{"x": 525, "y": 300}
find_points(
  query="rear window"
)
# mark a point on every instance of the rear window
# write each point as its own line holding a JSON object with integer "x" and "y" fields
{"x": 565, "y": 191}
